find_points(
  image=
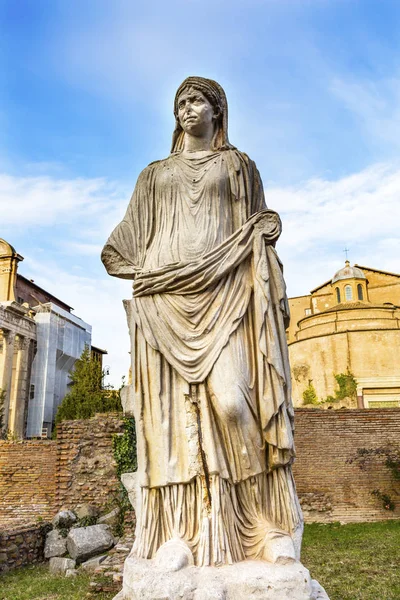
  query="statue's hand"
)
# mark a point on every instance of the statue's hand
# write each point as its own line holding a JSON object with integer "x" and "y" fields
{"x": 268, "y": 226}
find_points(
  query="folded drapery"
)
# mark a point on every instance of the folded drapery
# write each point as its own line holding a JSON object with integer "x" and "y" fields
{"x": 190, "y": 329}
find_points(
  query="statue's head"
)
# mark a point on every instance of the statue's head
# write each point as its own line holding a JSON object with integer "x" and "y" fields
{"x": 215, "y": 96}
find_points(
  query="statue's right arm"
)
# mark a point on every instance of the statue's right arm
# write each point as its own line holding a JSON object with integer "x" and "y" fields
{"x": 124, "y": 250}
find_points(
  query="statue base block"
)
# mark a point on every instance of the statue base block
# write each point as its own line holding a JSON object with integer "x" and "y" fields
{"x": 247, "y": 580}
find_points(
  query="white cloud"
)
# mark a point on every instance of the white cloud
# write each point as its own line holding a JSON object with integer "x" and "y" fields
{"x": 44, "y": 201}
{"x": 359, "y": 207}
{"x": 83, "y": 249}
{"x": 320, "y": 217}
{"x": 376, "y": 103}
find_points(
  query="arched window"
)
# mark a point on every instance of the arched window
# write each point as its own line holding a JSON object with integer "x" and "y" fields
{"x": 338, "y": 295}
{"x": 360, "y": 293}
{"x": 348, "y": 292}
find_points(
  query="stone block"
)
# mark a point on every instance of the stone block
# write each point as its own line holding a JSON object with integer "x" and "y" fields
{"x": 64, "y": 518}
{"x": 56, "y": 544}
{"x": 85, "y": 542}
{"x": 127, "y": 398}
{"x": 93, "y": 563}
{"x": 129, "y": 481}
{"x": 247, "y": 580}
{"x": 110, "y": 518}
{"x": 59, "y": 565}
{"x": 84, "y": 511}
{"x": 318, "y": 592}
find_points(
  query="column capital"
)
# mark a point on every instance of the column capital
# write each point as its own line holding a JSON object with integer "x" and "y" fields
{"x": 4, "y": 333}
{"x": 4, "y": 337}
{"x": 21, "y": 341}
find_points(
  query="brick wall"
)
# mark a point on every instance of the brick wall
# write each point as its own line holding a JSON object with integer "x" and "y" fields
{"x": 38, "y": 477}
{"x": 21, "y": 546}
{"x": 27, "y": 480}
{"x": 86, "y": 470}
{"x": 331, "y": 489}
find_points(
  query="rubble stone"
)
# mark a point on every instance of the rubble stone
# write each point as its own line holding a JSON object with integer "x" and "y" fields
{"x": 56, "y": 544}
{"x": 85, "y": 542}
{"x": 59, "y": 565}
{"x": 64, "y": 518}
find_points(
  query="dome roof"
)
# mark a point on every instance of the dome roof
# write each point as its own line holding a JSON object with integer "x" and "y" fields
{"x": 6, "y": 248}
{"x": 348, "y": 272}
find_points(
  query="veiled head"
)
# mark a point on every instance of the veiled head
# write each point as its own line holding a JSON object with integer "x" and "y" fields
{"x": 216, "y": 96}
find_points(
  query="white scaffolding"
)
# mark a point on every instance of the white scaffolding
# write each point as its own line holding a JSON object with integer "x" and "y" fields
{"x": 61, "y": 338}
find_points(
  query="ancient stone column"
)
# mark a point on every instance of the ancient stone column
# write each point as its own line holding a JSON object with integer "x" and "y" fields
{"x": 6, "y": 362}
{"x": 18, "y": 386}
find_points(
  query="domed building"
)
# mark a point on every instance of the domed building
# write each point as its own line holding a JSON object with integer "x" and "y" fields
{"x": 350, "y": 283}
{"x": 349, "y": 325}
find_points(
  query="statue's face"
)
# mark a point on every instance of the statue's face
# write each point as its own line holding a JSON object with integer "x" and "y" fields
{"x": 196, "y": 114}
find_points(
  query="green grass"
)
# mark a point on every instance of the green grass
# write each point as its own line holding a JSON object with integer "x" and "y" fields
{"x": 355, "y": 562}
{"x": 352, "y": 562}
{"x": 36, "y": 583}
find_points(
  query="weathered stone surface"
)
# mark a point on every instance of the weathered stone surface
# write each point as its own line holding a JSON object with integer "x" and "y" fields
{"x": 127, "y": 398}
{"x": 248, "y": 580}
{"x": 83, "y": 511}
{"x": 85, "y": 542}
{"x": 130, "y": 483}
{"x": 318, "y": 592}
{"x": 86, "y": 471}
{"x": 71, "y": 573}
{"x": 59, "y": 565}
{"x": 174, "y": 555}
{"x": 110, "y": 518}
{"x": 56, "y": 544}
{"x": 21, "y": 546}
{"x": 92, "y": 563}
{"x": 206, "y": 351}
{"x": 64, "y": 518}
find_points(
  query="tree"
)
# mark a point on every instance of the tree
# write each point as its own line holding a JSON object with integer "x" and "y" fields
{"x": 87, "y": 396}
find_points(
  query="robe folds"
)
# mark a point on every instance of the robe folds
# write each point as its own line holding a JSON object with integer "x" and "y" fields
{"x": 210, "y": 367}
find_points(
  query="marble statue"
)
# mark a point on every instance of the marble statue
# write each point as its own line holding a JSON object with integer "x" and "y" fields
{"x": 210, "y": 371}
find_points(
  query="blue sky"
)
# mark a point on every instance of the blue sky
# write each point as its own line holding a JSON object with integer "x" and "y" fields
{"x": 86, "y": 96}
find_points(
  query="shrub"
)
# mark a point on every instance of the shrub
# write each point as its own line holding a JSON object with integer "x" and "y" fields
{"x": 390, "y": 456}
{"x": 124, "y": 450}
{"x": 309, "y": 394}
{"x": 87, "y": 396}
{"x": 347, "y": 386}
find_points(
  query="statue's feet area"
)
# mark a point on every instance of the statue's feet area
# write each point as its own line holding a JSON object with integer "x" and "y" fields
{"x": 160, "y": 579}
{"x": 174, "y": 555}
{"x": 279, "y": 548}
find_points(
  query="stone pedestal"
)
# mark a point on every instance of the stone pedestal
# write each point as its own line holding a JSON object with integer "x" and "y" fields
{"x": 248, "y": 580}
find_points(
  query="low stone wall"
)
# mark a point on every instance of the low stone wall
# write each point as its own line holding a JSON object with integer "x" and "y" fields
{"x": 21, "y": 546}
{"x": 86, "y": 470}
{"x": 39, "y": 477}
{"x": 27, "y": 481}
{"x": 329, "y": 487}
